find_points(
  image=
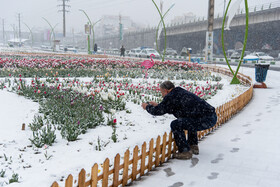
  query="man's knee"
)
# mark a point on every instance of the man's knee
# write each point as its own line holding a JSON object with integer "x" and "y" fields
{"x": 174, "y": 125}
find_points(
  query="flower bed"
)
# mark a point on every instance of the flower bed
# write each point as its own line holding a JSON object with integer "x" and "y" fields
{"x": 71, "y": 107}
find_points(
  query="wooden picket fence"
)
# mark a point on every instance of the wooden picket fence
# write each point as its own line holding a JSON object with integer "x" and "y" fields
{"x": 158, "y": 152}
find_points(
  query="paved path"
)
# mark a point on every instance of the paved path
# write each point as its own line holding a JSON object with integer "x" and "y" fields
{"x": 244, "y": 152}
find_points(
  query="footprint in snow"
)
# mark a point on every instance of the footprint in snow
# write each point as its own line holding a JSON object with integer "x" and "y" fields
{"x": 234, "y": 150}
{"x": 168, "y": 172}
{"x": 214, "y": 175}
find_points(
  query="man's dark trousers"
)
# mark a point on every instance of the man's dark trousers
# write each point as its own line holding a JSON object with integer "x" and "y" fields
{"x": 192, "y": 125}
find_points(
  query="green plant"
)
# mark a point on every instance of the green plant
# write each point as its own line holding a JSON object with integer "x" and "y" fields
{"x": 47, "y": 156}
{"x": 114, "y": 135}
{"x": 2, "y": 173}
{"x": 70, "y": 131}
{"x": 37, "y": 123}
{"x": 98, "y": 147}
{"x": 14, "y": 178}
{"x": 44, "y": 136}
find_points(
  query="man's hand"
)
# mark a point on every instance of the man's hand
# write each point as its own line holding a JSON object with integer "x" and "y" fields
{"x": 153, "y": 103}
{"x": 144, "y": 105}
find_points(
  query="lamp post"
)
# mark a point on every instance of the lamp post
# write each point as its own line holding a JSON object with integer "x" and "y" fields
{"x": 91, "y": 25}
{"x": 52, "y": 29}
{"x": 30, "y": 34}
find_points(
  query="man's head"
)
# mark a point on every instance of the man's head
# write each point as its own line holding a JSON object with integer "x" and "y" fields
{"x": 166, "y": 87}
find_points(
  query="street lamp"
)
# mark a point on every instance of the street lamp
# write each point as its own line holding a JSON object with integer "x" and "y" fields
{"x": 91, "y": 25}
{"x": 52, "y": 29}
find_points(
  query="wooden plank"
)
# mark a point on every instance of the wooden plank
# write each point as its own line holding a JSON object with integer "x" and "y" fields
{"x": 94, "y": 174}
{"x": 143, "y": 159}
{"x": 169, "y": 145}
{"x": 125, "y": 168}
{"x": 163, "y": 148}
{"x": 151, "y": 148}
{"x": 134, "y": 163}
{"x": 55, "y": 184}
{"x": 105, "y": 173}
{"x": 157, "y": 151}
{"x": 82, "y": 178}
{"x": 116, "y": 170}
{"x": 69, "y": 181}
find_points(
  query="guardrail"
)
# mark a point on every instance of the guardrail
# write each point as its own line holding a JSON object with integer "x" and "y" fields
{"x": 158, "y": 152}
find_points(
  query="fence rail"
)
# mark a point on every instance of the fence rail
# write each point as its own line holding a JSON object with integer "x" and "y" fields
{"x": 157, "y": 152}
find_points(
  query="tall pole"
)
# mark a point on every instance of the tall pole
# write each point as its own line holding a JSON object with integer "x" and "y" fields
{"x": 209, "y": 33}
{"x": 3, "y": 22}
{"x": 19, "y": 32}
{"x": 63, "y": 9}
{"x": 63, "y": 13}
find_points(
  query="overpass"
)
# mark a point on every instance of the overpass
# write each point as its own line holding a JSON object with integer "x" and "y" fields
{"x": 264, "y": 26}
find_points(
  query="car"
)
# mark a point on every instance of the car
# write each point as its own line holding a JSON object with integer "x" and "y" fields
{"x": 263, "y": 56}
{"x": 134, "y": 52}
{"x": 146, "y": 53}
{"x": 235, "y": 55}
{"x": 170, "y": 51}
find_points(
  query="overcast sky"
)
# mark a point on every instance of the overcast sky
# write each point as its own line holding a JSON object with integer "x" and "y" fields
{"x": 140, "y": 11}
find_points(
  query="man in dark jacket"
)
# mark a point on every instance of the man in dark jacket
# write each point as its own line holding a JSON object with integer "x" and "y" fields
{"x": 122, "y": 51}
{"x": 192, "y": 113}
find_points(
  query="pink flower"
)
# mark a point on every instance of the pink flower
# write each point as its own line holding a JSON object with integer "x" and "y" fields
{"x": 39, "y": 91}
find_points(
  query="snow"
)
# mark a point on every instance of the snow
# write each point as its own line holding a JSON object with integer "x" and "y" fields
{"x": 243, "y": 152}
{"x": 43, "y": 166}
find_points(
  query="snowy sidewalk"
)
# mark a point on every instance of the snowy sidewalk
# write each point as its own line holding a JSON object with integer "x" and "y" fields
{"x": 244, "y": 152}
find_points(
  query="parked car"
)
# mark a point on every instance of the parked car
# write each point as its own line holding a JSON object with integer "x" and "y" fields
{"x": 170, "y": 51}
{"x": 235, "y": 55}
{"x": 263, "y": 56}
{"x": 134, "y": 52}
{"x": 146, "y": 53}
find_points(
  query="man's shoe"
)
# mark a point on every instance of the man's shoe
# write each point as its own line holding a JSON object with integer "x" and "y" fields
{"x": 194, "y": 149}
{"x": 186, "y": 155}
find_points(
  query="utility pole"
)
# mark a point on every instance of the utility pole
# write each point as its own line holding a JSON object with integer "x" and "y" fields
{"x": 209, "y": 33}
{"x": 3, "y": 22}
{"x": 121, "y": 27}
{"x": 19, "y": 32}
{"x": 64, "y": 6}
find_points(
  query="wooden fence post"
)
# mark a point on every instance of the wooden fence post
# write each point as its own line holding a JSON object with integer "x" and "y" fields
{"x": 169, "y": 145}
{"x": 163, "y": 151}
{"x": 105, "y": 173}
{"x": 69, "y": 181}
{"x": 134, "y": 162}
{"x": 125, "y": 167}
{"x": 116, "y": 170}
{"x": 82, "y": 178}
{"x": 94, "y": 175}
{"x": 157, "y": 151}
{"x": 55, "y": 184}
{"x": 151, "y": 151}
{"x": 143, "y": 159}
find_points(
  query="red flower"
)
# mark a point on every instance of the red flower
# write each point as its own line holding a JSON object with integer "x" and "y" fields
{"x": 35, "y": 91}
{"x": 115, "y": 121}
{"x": 19, "y": 75}
{"x": 45, "y": 92}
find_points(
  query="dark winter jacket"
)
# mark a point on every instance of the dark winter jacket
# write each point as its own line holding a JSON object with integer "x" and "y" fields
{"x": 182, "y": 104}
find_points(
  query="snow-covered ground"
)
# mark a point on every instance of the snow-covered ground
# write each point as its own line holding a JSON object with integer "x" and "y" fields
{"x": 41, "y": 167}
{"x": 244, "y": 152}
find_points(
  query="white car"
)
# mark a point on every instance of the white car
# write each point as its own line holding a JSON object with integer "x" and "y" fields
{"x": 263, "y": 56}
{"x": 134, "y": 52}
{"x": 146, "y": 53}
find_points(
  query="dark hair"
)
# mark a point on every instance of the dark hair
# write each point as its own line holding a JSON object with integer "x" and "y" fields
{"x": 167, "y": 85}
